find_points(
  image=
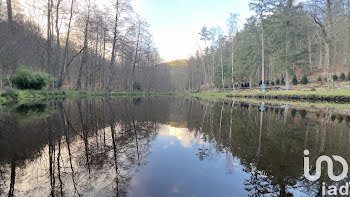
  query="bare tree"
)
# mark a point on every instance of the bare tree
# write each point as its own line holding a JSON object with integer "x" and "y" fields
{"x": 85, "y": 49}
{"x": 66, "y": 63}
{"x": 115, "y": 31}
{"x": 326, "y": 15}
{"x": 9, "y": 12}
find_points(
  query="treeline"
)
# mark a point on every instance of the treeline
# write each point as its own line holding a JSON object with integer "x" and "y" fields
{"x": 84, "y": 45}
{"x": 283, "y": 39}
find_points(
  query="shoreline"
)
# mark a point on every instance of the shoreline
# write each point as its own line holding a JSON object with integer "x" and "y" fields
{"x": 337, "y": 96}
{"x": 28, "y": 96}
{"x": 311, "y": 101}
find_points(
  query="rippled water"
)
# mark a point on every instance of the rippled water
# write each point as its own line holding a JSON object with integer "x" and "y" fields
{"x": 164, "y": 146}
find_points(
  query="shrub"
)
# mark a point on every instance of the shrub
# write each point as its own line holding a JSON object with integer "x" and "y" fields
{"x": 304, "y": 80}
{"x": 137, "y": 86}
{"x": 342, "y": 76}
{"x": 26, "y": 78}
{"x": 267, "y": 82}
{"x": 319, "y": 78}
{"x": 335, "y": 77}
{"x": 10, "y": 94}
{"x": 295, "y": 80}
{"x": 278, "y": 81}
{"x": 283, "y": 82}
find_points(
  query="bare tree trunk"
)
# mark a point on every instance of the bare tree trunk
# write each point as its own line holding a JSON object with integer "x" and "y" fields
{"x": 212, "y": 69}
{"x": 287, "y": 79}
{"x": 320, "y": 54}
{"x": 49, "y": 7}
{"x": 328, "y": 58}
{"x": 310, "y": 49}
{"x": 104, "y": 59}
{"x": 135, "y": 58}
{"x": 232, "y": 61}
{"x": 205, "y": 72}
{"x": 85, "y": 50}
{"x": 222, "y": 67}
{"x": 64, "y": 67}
{"x": 111, "y": 65}
{"x": 262, "y": 52}
{"x": 9, "y": 13}
{"x": 58, "y": 43}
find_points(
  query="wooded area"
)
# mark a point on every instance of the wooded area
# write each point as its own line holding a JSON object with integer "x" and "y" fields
{"x": 88, "y": 46}
{"x": 284, "y": 38}
{"x": 85, "y": 46}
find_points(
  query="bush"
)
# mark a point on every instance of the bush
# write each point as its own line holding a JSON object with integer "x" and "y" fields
{"x": 278, "y": 81}
{"x": 137, "y": 86}
{"x": 335, "y": 77}
{"x": 10, "y": 94}
{"x": 283, "y": 82}
{"x": 319, "y": 78}
{"x": 267, "y": 82}
{"x": 26, "y": 78}
{"x": 295, "y": 80}
{"x": 342, "y": 76}
{"x": 304, "y": 80}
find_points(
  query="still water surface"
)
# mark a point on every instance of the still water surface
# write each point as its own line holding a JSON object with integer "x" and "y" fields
{"x": 164, "y": 146}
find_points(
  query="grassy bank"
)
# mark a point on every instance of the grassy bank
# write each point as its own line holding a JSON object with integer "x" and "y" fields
{"x": 27, "y": 96}
{"x": 324, "y": 95}
{"x": 255, "y": 98}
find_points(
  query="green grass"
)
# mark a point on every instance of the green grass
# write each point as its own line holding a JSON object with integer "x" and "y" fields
{"x": 340, "y": 108}
{"x": 338, "y": 92}
{"x": 2, "y": 100}
{"x": 28, "y": 96}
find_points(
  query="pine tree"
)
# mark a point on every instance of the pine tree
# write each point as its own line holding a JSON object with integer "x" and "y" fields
{"x": 304, "y": 80}
{"x": 283, "y": 82}
{"x": 342, "y": 76}
{"x": 335, "y": 77}
{"x": 295, "y": 80}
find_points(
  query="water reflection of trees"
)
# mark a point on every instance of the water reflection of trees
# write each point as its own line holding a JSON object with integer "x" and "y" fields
{"x": 95, "y": 146}
{"x": 72, "y": 152}
{"x": 272, "y": 151}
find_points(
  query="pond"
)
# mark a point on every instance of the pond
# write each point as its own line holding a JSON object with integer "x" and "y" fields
{"x": 165, "y": 146}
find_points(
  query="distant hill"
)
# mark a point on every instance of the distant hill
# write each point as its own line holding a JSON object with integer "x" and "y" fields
{"x": 178, "y": 63}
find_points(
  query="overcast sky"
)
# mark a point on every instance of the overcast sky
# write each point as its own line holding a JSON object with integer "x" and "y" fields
{"x": 175, "y": 24}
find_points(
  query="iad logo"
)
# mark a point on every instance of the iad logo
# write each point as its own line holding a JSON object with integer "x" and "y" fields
{"x": 329, "y": 164}
{"x": 331, "y": 190}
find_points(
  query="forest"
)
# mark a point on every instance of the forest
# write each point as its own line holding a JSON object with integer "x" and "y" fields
{"x": 91, "y": 46}
{"x": 285, "y": 41}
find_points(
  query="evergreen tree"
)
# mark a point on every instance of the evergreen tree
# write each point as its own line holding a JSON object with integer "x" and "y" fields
{"x": 295, "y": 80}
{"x": 304, "y": 80}
{"x": 335, "y": 77}
{"x": 283, "y": 82}
{"x": 342, "y": 76}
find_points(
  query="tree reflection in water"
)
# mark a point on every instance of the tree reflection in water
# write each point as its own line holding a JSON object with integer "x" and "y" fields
{"x": 97, "y": 146}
